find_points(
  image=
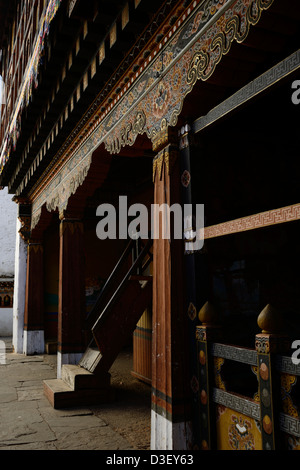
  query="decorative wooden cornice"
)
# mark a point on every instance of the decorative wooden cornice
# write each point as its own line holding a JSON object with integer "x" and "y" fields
{"x": 127, "y": 134}
{"x": 126, "y": 72}
{"x": 151, "y": 101}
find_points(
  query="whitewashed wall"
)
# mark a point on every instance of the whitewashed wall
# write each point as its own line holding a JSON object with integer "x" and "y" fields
{"x": 8, "y": 218}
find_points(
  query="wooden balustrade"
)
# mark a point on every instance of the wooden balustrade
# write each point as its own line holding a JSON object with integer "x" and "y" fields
{"x": 245, "y": 397}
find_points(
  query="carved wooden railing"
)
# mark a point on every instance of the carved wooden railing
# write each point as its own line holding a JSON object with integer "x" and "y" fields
{"x": 289, "y": 416}
{"x": 235, "y": 411}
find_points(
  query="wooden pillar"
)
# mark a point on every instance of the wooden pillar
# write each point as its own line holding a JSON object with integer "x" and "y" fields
{"x": 71, "y": 308}
{"x": 206, "y": 333}
{"x": 270, "y": 342}
{"x": 190, "y": 271}
{"x": 33, "y": 342}
{"x": 170, "y": 413}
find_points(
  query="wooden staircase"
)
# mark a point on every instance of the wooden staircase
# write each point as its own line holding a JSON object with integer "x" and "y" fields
{"x": 110, "y": 324}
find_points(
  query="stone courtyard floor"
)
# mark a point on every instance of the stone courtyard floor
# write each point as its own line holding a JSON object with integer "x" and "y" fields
{"x": 28, "y": 421}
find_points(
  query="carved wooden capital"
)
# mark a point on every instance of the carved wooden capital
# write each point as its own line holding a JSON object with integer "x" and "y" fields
{"x": 166, "y": 135}
{"x": 24, "y": 216}
{"x": 25, "y": 227}
{"x": 166, "y": 158}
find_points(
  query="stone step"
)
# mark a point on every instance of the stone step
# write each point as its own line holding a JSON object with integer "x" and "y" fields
{"x": 78, "y": 378}
{"x": 60, "y": 395}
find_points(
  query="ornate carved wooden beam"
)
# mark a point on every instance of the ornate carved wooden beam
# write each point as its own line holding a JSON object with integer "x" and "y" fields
{"x": 152, "y": 100}
{"x": 252, "y": 90}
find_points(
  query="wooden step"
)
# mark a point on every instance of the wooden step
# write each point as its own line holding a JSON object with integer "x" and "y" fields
{"x": 78, "y": 378}
{"x": 61, "y": 395}
{"x": 90, "y": 359}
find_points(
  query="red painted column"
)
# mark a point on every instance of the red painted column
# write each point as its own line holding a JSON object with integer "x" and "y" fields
{"x": 170, "y": 419}
{"x": 33, "y": 341}
{"x": 71, "y": 308}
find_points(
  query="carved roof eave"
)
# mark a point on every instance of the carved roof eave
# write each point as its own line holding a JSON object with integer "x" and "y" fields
{"x": 29, "y": 81}
{"x": 153, "y": 100}
{"x": 21, "y": 179}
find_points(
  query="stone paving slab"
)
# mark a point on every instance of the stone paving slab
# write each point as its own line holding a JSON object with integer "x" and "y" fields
{"x": 28, "y": 421}
{"x": 21, "y": 424}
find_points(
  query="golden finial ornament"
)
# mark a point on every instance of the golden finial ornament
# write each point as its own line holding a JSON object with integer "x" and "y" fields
{"x": 269, "y": 320}
{"x": 207, "y": 314}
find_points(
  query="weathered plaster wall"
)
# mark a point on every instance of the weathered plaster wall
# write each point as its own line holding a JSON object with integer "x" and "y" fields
{"x": 8, "y": 217}
{"x": 6, "y": 322}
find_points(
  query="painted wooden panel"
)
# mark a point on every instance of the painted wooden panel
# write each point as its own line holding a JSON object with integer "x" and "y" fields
{"x": 236, "y": 431}
{"x": 142, "y": 348}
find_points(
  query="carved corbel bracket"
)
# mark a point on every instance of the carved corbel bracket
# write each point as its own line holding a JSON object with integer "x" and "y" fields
{"x": 165, "y": 136}
{"x": 24, "y": 216}
{"x": 166, "y": 143}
